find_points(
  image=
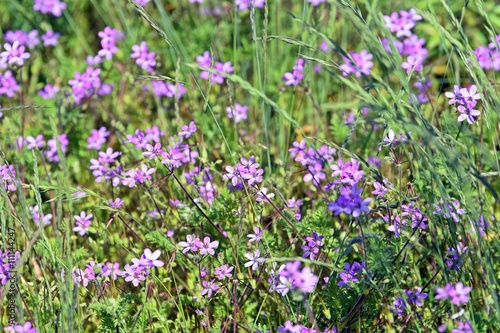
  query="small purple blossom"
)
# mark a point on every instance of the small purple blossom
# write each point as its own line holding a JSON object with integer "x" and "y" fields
{"x": 50, "y": 38}
{"x": 82, "y": 223}
{"x": 54, "y": 7}
{"x": 254, "y": 260}
{"x": 359, "y": 65}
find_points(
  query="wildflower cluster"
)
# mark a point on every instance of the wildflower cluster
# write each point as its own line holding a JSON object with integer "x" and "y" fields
{"x": 295, "y": 77}
{"x": 351, "y": 274}
{"x": 205, "y": 60}
{"x": 465, "y": 100}
{"x": 134, "y": 273}
{"x": 488, "y": 57}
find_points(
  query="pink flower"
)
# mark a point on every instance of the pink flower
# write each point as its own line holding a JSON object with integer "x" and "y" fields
{"x": 208, "y": 247}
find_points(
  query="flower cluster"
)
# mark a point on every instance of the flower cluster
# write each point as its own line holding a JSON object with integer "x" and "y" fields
{"x": 412, "y": 47}
{"x": 465, "y": 100}
{"x": 167, "y": 89}
{"x": 449, "y": 210}
{"x": 350, "y": 202}
{"x": 291, "y": 278}
{"x": 400, "y": 305}
{"x": 29, "y": 39}
{"x": 312, "y": 247}
{"x": 97, "y": 138}
{"x": 205, "y": 60}
{"x": 54, "y": 7}
{"x": 144, "y": 58}
{"x": 457, "y": 293}
{"x": 295, "y": 77}
{"x": 85, "y": 85}
{"x": 351, "y": 274}
{"x": 246, "y": 170}
{"x": 8, "y": 83}
{"x": 109, "y": 37}
{"x": 134, "y": 273}
{"x": 408, "y": 213}
{"x": 454, "y": 257}
{"x": 194, "y": 244}
{"x": 488, "y": 57}
{"x": 312, "y": 159}
{"x": 8, "y": 177}
{"x": 359, "y": 65}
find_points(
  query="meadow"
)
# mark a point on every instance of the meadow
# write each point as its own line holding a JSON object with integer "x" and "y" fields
{"x": 249, "y": 166}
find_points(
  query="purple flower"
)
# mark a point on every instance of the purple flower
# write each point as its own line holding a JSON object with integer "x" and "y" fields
{"x": 415, "y": 296}
{"x": 239, "y": 112}
{"x": 14, "y": 54}
{"x": 48, "y": 92}
{"x": 151, "y": 258}
{"x": 457, "y": 294}
{"x": 290, "y": 328}
{"x": 97, "y": 138}
{"x": 413, "y": 63}
{"x": 350, "y": 274}
{"x": 208, "y": 247}
{"x": 463, "y": 328}
{"x": 360, "y": 65}
{"x": 188, "y": 130}
{"x": 161, "y": 88}
{"x": 303, "y": 280}
{"x": 85, "y": 85}
{"x": 223, "y": 272}
{"x": 108, "y": 36}
{"x": 350, "y": 202}
{"x": 8, "y": 84}
{"x": 32, "y": 143}
{"x": 50, "y": 38}
{"x": 256, "y": 236}
{"x": 468, "y": 113}
{"x": 143, "y": 58}
{"x": 262, "y": 195}
{"x": 152, "y": 151}
{"x": 45, "y": 219}
{"x": 209, "y": 288}
{"x": 54, "y": 7}
{"x": 448, "y": 210}
{"x": 116, "y": 204}
{"x": 134, "y": 274}
{"x": 398, "y": 307}
{"x": 295, "y": 77}
{"x": 316, "y": 3}
{"x": 26, "y": 328}
{"x": 254, "y": 260}
{"x": 193, "y": 244}
{"x": 143, "y": 2}
{"x": 245, "y": 4}
{"x": 401, "y": 23}
{"x": 381, "y": 189}
{"x": 82, "y": 223}
{"x": 93, "y": 61}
